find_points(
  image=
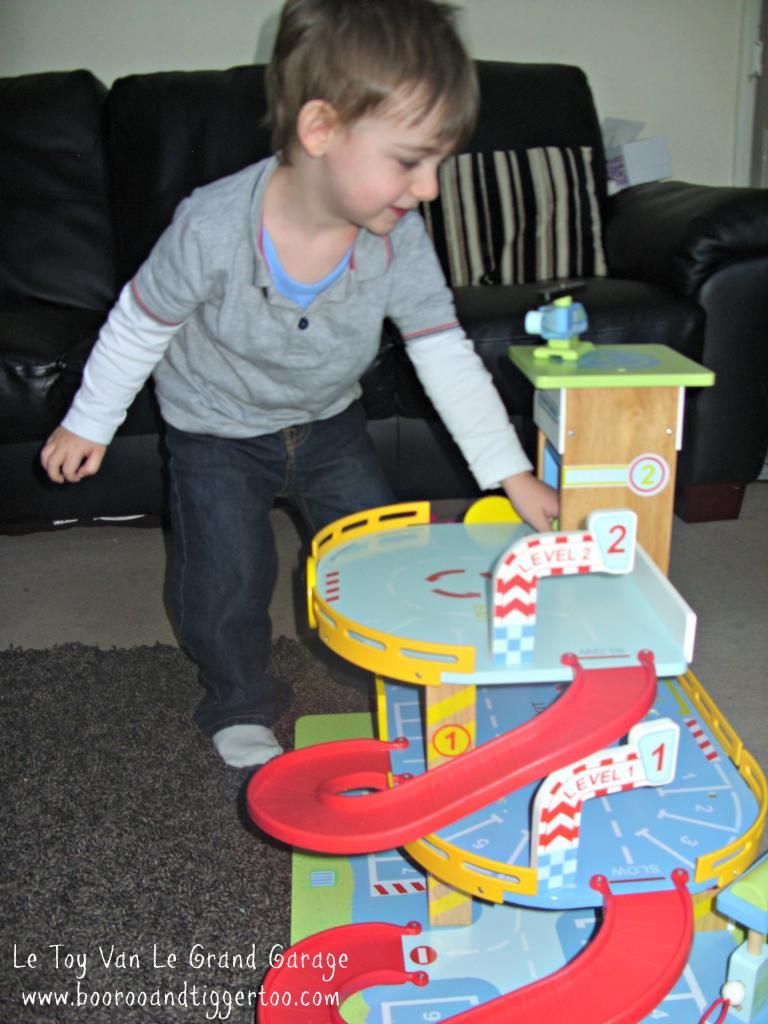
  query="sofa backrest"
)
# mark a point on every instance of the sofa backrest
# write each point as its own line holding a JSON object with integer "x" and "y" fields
{"x": 170, "y": 132}
{"x": 523, "y": 106}
{"x": 56, "y": 243}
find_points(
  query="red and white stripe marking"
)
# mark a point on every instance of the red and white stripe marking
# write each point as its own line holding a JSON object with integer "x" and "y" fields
{"x": 547, "y": 554}
{"x": 397, "y": 888}
{"x": 702, "y": 739}
{"x": 333, "y": 586}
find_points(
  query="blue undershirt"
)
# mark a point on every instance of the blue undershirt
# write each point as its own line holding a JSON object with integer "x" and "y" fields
{"x": 297, "y": 291}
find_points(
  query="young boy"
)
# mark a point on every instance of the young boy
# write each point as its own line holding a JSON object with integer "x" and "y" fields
{"x": 258, "y": 311}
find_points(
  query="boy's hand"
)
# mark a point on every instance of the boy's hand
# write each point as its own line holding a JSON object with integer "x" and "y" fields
{"x": 536, "y": 502}
{"x": 69, "y": 457}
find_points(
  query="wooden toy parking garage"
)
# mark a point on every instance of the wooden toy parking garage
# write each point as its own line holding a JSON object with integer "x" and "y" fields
{"x": 553, "y": 801}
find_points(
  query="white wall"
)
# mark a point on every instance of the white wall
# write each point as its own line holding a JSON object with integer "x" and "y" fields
{"x": 672, "y": 64}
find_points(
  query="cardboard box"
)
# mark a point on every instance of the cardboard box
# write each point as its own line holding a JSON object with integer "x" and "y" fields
{"x": 636, "y": 162}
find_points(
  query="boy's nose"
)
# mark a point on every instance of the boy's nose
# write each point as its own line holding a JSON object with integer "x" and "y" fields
{"x": 425, "y": 187}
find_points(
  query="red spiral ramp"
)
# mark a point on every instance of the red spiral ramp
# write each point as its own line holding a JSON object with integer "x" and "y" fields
{"x": 317, "y": 974}
{"x": 302, "y": 798}
{"x": 635, "y": 959}
{"x": 633, "y": 962}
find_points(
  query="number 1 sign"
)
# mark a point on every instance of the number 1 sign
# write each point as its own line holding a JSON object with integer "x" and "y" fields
{"x": 657, "y": 743}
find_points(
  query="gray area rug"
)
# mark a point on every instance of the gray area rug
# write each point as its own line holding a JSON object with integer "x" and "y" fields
{"x": 132, "y": 881}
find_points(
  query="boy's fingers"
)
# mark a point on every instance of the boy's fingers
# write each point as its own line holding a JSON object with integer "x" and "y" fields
{"x": 91, "y": 464}
{"x": 50, "y": 464}
{"x": 55, "y": 474}
{"x": 70, "y": 466}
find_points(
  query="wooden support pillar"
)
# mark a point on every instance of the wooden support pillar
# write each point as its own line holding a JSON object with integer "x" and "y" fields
{"x": 450, "y": 716}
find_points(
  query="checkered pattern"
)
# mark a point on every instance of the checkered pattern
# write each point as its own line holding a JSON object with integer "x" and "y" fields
{"x": 513, "y": 644}
{"x": 558, "y": 868}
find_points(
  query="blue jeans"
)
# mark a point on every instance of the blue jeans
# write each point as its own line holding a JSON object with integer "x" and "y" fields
{"x": 223, "y": 562}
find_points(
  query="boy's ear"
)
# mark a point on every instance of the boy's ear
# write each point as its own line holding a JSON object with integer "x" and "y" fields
{"x": 315, "y": 126}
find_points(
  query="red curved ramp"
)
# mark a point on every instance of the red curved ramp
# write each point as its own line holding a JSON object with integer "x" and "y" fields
{"x": 317, "y": 974}
{"x": 637, "y": 956}
{"x": 300, "y": 798}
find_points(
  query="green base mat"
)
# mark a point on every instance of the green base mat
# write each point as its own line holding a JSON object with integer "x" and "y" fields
{"x": 321, "y": 885}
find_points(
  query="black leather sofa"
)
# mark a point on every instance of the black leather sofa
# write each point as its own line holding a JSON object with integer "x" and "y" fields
{"x": 90, "y": 176}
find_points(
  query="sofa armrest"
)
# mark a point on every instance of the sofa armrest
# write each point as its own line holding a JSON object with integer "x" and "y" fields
{"x": 678, "y": 235}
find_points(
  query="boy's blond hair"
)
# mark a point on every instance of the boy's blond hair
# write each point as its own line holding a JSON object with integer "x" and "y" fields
{"x": 355, "y": 54}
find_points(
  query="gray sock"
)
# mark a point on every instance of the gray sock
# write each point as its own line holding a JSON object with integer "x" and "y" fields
{"x": 246, "y": 745}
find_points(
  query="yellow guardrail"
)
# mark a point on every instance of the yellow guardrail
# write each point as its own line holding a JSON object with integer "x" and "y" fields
{"x": 388, "y": 517}
{"x": 411, "y": 661}
{"x": 725, "y": 864}
{"x": 475, "y": 875}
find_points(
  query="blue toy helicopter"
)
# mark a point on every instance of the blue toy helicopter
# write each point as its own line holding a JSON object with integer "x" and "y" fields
{"x": 559, "y": 321}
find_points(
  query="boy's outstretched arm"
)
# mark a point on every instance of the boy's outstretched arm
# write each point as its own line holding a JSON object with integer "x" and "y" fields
{"x": 536, "y": 501}
{"x": 67, "y": 457}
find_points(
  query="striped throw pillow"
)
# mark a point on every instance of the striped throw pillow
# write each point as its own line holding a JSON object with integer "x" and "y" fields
{"x": 514, "y": 216}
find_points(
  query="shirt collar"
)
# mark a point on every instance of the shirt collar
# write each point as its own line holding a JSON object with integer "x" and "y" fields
{"x": 371, "y": 256}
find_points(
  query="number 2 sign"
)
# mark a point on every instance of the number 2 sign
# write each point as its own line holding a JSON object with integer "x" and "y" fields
{"x": 615, "y": 533}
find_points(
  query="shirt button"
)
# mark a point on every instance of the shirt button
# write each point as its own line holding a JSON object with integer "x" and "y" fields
{"x": 303, "y": 324}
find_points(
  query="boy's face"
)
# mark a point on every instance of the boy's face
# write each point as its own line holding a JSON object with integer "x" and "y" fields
{"x": 383, "y": 165}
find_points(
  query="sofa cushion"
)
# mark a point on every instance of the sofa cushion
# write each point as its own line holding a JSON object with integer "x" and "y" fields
{"x": 515, "y": 216}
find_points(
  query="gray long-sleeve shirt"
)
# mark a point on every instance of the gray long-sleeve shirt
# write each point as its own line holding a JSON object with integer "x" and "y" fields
{"x": 233, "y": 357}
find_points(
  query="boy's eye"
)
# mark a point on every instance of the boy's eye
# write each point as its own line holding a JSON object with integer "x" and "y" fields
{"x": 408, "y": 165}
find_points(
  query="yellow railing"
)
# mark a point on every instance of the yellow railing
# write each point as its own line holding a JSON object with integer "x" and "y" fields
{"x": 376, "y": 520}
{"x": 725, "y": 864}
{"x": 388, "y": 517}
{"x": 411, "y": 661}
{"x": 477, "y": 876}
